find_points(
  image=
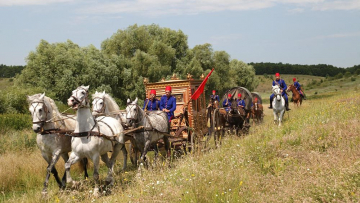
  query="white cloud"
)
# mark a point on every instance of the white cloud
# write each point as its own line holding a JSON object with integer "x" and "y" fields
{"x": 30, "y": 2}
{"x": 338, "y": 5}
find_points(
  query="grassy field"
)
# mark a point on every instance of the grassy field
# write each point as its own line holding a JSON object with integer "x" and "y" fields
{"x": 313, "y": 157}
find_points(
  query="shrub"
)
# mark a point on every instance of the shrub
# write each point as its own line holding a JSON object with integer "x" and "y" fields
{"x": 15, "y": 121}
{"x": 353, "y": 78}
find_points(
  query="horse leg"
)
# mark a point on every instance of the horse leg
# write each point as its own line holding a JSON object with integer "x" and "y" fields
{"x": 116, "y": 150}
{"x": 48, "y": 159}
{"x": 106, "y": 160}
{"x": 96, "y": 161}
{"x": 275, "y": 117}
{"x": 125, "y": 155}
{"x": 281, "y": 116}
{"x": 167, "y": 146}
{"x": 73, "y": 159}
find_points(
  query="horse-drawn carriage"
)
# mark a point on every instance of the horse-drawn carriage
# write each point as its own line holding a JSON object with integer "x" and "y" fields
{"x": 189, "y": 122}
{"x": 235, "y": 117}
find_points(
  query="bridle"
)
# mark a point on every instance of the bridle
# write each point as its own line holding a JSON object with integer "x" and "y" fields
{"x": 277, "y": 92}
{"x": 135, "y": 120}
{"x": 44, "y": 121}
{"x": 84, "y": 98}
{"x": 102, "y": 110}
{"x": 40, "y": 122}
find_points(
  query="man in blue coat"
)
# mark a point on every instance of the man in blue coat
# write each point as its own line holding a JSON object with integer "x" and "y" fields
{"x": 227, "y": 103}
{"x": 168, "y": 103}
{"x": 241, "y": 102}
{"x": 151, "y": 104}
{"x": 214, "y": 97}
{"x": 283, "y": 88}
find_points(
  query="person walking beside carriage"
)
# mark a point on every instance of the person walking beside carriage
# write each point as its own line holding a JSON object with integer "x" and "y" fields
{"x": 299, "y": 89}
{"x": 168, "y": 103}
{"x": 151, "y": 104}
{"x": 227, "y": 103}
{"x": 281, "y": 83}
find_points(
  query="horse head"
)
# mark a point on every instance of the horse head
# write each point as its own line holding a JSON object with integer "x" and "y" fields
{"x": 132, "y": 112}
{"x": 98, "y": 103}
{"x": 39, "y": 111}
{"x": 79, "y": 97}
{"x": 277, "y": 92}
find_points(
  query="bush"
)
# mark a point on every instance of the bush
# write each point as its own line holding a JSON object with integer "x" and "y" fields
{"x": 347, "y": 74}
{"x": 353, "y": 78}
{"x": 15, "y": 121}
{"x": 13, "y": 99}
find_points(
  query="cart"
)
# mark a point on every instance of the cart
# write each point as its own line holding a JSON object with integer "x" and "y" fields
{"x": 188, "y": 126}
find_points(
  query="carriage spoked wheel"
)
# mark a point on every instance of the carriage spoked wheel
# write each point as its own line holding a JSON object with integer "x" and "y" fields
{"x": 183, "y": 142}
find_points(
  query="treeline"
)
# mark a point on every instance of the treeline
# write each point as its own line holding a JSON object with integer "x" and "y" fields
{"x": 323, "y": 70}
{"x": 123, "y": 61}
{"x": 10, "y": 71}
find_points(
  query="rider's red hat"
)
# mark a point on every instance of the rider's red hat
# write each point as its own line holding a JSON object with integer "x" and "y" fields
{"x": 239, "y": 95}
{"x": 168, "y": 88}
{"x": 229, "y": 95}
{"x": 153, "y": 92}
{"x": 294, "y": 79}
{"x": 277, "y": 74}
{"x": 255, "y": 99}
{"x": 213, "y": 91}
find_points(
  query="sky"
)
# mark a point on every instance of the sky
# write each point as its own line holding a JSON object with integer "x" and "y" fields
{"x": 286, "y": 31}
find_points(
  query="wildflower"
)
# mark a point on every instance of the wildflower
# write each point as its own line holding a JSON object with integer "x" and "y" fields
{"x": 241, "y": 182}
{"x": 192, "y": 175}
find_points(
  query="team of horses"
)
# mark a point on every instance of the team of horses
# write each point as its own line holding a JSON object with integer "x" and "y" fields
{"x": 92, "y": 134}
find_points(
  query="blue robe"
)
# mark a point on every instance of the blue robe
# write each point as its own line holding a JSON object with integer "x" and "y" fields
{"x": 151, "y": 105}
{"x": 168, "y": 103}
{"x": 215, "y": 97}
{"x": 227, "y": 107}
{"x": 283, "y": 87}
{"x": 241, "y": 103}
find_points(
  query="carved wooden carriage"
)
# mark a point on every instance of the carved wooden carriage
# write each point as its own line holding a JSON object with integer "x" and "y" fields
{"x": 189, "y": 123}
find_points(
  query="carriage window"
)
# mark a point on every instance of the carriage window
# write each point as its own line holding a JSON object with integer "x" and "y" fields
{"x": 179, "y": 98}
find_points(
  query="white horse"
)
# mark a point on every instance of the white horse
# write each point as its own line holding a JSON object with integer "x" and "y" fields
{"x": 278, "y": 104}
{"x": 155, "y": 125}
{"x": 105, "y": 105}
{"x": 93, "y": 138}
{"x": 50, "y": 127}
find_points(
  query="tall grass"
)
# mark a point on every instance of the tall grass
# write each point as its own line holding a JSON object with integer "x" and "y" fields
{"x": 314, "y": 156}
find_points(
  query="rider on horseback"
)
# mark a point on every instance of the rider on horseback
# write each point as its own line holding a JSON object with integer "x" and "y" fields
{"x": 151, "y": 104}
{"x": 240, "y": 102}
{"x": 299, "y": 89}
{"x": 283, "y": 88}
{"x": 214, "y": 97}
{"x": 227, "y": 103}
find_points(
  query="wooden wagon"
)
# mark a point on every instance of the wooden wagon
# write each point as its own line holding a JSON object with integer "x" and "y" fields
{"x": 189, "y": 125}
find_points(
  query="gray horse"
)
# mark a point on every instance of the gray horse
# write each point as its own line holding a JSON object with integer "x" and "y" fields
{"x": 51, "y": 126}
{"x": 155, "y": 125}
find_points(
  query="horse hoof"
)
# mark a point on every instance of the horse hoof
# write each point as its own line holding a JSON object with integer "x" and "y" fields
{"x": 44, "y": 193}
{"x": 96, "y": 193}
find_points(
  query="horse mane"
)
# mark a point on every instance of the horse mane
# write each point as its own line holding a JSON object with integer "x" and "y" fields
{"x": 110, "y": 102}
